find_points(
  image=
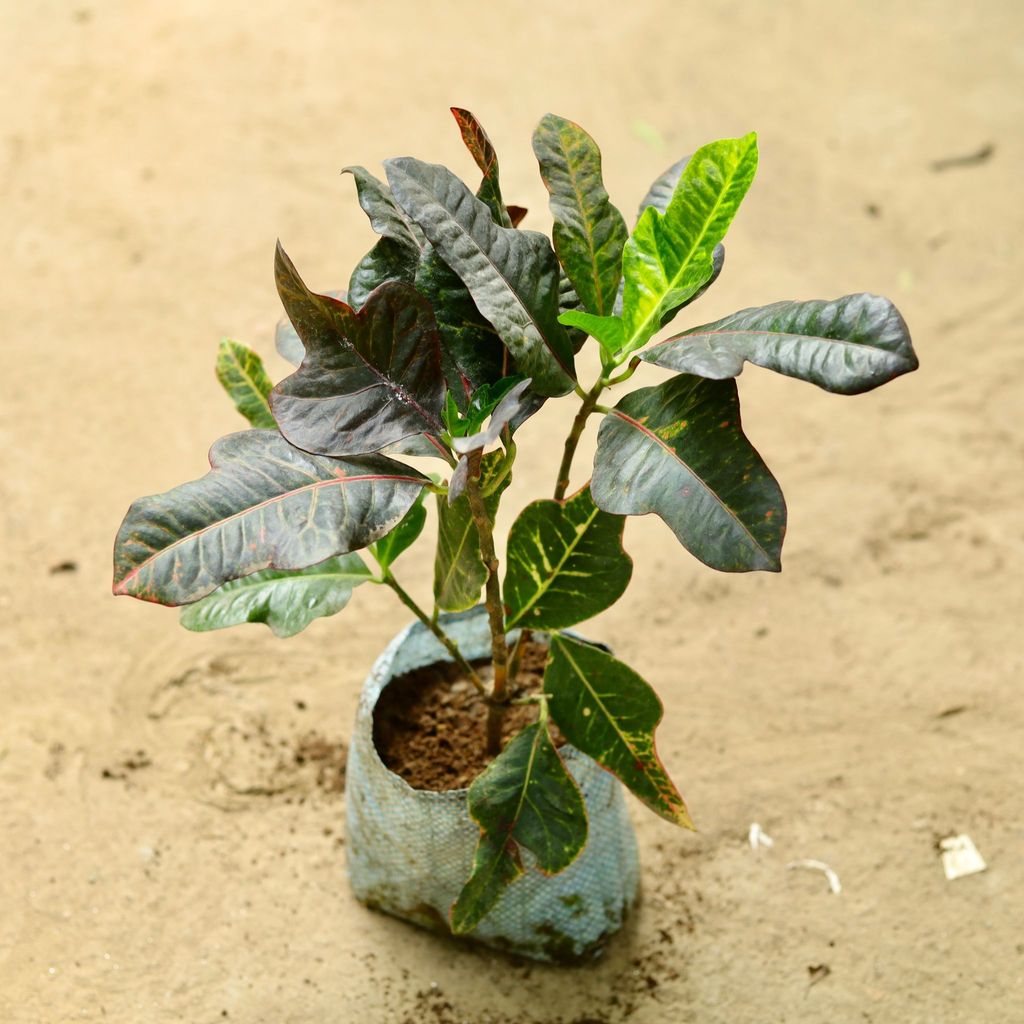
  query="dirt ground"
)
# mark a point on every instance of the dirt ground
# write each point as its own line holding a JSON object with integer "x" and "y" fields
{"x": 171, "y": 815}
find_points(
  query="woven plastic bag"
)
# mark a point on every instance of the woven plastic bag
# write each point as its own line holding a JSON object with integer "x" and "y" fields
{"x": 410, "y": 851}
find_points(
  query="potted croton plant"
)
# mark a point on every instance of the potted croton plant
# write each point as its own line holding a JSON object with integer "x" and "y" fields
{"x": 492, "y": 742}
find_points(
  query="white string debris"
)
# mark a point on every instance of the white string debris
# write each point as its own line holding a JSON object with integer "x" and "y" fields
{"x": 758, "y": 838}
{"x": 960, "y": 857}
{"x": 819, "y": 865}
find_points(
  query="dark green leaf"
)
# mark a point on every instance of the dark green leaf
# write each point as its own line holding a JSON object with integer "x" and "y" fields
{"x": 401, "y": 538}
{"x": 589, "y": 233}
{"x": 678, "y": 450}
{"x": 472, "y": 354}
{"x": 459, "y": 572}
{"x": 496, "y": 865}
{"x": 606, "y": 710}
{"x": 483, "y": 152}
{"x": 849, "y": 345}
{"x": 565, "y": 563}
{"x": 263, "y": 505}
{"x": 287, "y": 342}
{"x": 387, "y": 261}
{"x": 287, "y": 601}
{"x": 368, "y": 378}
{"x": 659, "y": 195}
{"x": 241, "y": 373}
{"x": 524, "y": 797}
{"x": 512, "y": 275}
{"x": 386, "y": 217}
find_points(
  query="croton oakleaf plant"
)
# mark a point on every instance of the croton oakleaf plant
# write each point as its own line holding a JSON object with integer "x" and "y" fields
{"x": 456, "y": 327}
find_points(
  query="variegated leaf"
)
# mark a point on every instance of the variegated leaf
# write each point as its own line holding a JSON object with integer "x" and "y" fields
{"x": 241, "y": 373}
{"x": 609, "y": 712}
{"x": 565, "y": 563}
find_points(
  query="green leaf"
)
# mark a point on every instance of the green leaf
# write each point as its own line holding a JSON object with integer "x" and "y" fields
{"x": 287, "y": 601}
{"x": 263, "y": 505}
{"x": 848, "y": 346}
{"x": 565, "y": 563}
{"x": 589, "y": 232}
{"x": 672, "y": 256}
{"x": 241, "y": 373}
{"x": 459, "y": 572}
{"x": 483, "y": 152}
{"x": 524, "y": 797}
{"x": 402, "y": 537}
{"x": 607, "y": 330}
{"x": 669, "y": 255}
{"x": 512, "y": 275}
{"x": 678, "y": 450}
{"x": 496, "y": 865}
{"x": 610, "y": 713}
{"x": 472, "y": 354}
{"x": 368, "y": 378}
{"x": 512, "y": 404}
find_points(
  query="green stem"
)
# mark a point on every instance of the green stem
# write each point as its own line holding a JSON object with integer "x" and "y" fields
{"x": 495, "y": 610}
{"x": 431, "y": 624}
{"x": 572, "y": 441}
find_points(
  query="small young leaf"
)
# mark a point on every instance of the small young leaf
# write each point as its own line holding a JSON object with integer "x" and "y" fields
{"x": 459, "y": 571}
{"x": 287, "y": 601}
{"x": 507, "y": 409}
{"x": 678, "y": 450}
{"x": 264, "y": 505}
{"x": 368, "y": 378}
{"x": 524, "y": 797}
{"x": 496, "y": 865}
{"x": 511, "y": 274}
{"x": 240, "y": 371}
{"x": 607, "y": 330}
{"x": 565, "y": 563}
{"x": 847, "y": 346}
{"x": 483, "y": 152}
{"x": 589, "y": 233}
{"x": 402, "y": 537}
{"x": 609, "y": 712}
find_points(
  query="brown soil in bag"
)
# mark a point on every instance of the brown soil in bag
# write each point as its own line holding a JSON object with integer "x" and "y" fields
{"x": 430, "y": 725}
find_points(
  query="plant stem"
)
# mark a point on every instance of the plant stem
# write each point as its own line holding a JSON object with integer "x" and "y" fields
{"x": 572, "y": 441}
{"x": 495, "y": 611}
{"x": 431, "y": 624}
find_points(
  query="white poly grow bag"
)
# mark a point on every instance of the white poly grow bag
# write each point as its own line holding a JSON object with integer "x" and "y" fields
{"x": 410, "y": 851}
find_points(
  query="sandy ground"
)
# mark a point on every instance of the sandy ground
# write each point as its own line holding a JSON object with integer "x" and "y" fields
{"x": 164, "y": 856}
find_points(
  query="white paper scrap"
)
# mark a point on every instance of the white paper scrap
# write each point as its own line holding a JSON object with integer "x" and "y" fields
{"x": 758, "y": 838}
{"x": 819, "y": 865}
{"x": 960, "y": 857}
